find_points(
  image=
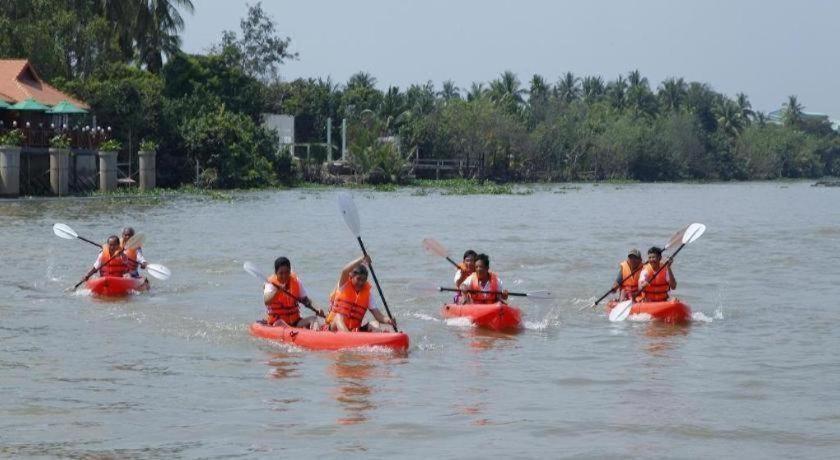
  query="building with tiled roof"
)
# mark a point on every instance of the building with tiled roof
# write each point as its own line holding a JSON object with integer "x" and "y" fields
{"x": 19, "y": 81}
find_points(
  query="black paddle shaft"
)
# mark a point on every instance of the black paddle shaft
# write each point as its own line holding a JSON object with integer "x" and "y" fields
{"x": 619, "y": 285}
{"x": 670, "y": 259}
{"x": 477, "y": 291}
{"x": 297, "y": 299}
{"x": 118, "y": 254}
{"x": 378, "y": 288}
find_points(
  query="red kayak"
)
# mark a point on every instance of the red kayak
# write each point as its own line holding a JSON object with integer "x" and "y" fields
{"x": 330, "y": 340}
{"x": 671, "y": 311}
{"x": 496, "y": 316}
{"x": 115, "y": 286}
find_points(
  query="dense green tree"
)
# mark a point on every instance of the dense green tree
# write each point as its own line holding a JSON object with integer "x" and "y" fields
{"x": 568, "y": 88}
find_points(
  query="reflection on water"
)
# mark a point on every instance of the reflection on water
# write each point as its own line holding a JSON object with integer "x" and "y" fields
{"x": 284, "y": 366}
{"x": 485, "y": 339}
{"x": 352, "y": 373}
{"x": 663, "y": 337}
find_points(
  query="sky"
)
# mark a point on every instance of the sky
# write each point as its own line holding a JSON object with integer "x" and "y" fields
{"x": 767, "y": 49}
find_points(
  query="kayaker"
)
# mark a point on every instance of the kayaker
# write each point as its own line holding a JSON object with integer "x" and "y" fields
{"x": 656, "y": 289}
{"x": 465, "y": 269}
{"x": 135, "y": 256}
{"x": 108, "y": 263}
{"x": 282, "y": 308}
{"x": 629, "y": 270}
{"x": 352, "y": 298}
{"x": 483, "y": 280}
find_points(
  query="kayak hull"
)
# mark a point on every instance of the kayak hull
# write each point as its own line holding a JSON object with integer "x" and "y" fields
{"x": 495, "y": 316}
{"x": 330, "y": 340}
{"x": 671, "y": 311}
{"x": 115, "y": 286}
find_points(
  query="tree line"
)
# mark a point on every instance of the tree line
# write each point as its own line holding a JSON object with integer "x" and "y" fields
{"x": 204, "y": 110}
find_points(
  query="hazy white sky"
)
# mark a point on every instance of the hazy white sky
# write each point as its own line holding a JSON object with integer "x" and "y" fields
{"x": 767, "y": 49}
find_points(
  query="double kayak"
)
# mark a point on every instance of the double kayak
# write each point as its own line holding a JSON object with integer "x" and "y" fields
{"x": 330, "y": 340}
{"x": 671, "y": 311}
{"x": 115, "y": 286}
{"x": 495, "y": 316}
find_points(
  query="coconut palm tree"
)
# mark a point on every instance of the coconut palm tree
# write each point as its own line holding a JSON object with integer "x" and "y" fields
{"x": 617, "y": 93}
{"x": 671, "y": 93}
{"x": 635, "y": 79}
{"x": 539, "y": 89}
{"x": 593, "y": 88}
{"x": 449, "y": 91}
{"x": 507, "y": 87}
{"x": 728, "y": 117}
{"x": 157, "y": 27}
{"x": 744, "y": 108}
{"x": 476, "y": 92}
{"x": 567, "y": 88}
{"x": 793, "y": 112}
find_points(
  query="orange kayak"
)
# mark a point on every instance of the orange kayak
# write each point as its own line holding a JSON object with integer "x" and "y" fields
{"x": 114, "y": 286}
{"x": 671, "y": 311}
{"x": 330, "y": 340}
{"x": 496, "y": 316}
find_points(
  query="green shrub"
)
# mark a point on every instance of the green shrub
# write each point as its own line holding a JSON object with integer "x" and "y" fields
{"x": 111, "y": 145}
{"x": 60, "y": 141}
{"x": 13, "y": 137}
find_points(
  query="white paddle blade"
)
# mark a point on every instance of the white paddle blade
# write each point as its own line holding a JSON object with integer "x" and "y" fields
{"x": 349, "y": 213}
{"x": 254, "y": 271}
{"x": 135, "y": 241}
{"x": 676, "y": 238}
{"x": 434, "y": 247}
{"x": 621, "y": 311}
{"x": 693, "y": 232}
{"x": 424, "y": 287}
{"x": 158, "y": 271}
{"x": 64, "y": 231}
{"x": 541, "y": 295}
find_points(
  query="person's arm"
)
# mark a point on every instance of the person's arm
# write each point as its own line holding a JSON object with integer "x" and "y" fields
{"x": 460, "y": 276}
{"x": 269, "y": 290}
{"x": 140, "y": 259}
{"x": 338, "y": 322}
{"x": 305, "y": 300}
{"x": 96, "y": 266}
{"x": 618, "y": 280}
{"x": 504, "y": 292}
{"x": 672, "y": 281}
{"x": 643, "y": 280}
{"x": 379, "y": 316}
{"x": 345, "y": 272}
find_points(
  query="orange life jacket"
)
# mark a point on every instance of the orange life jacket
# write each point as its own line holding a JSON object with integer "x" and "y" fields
{"x": 350, "y": 304}
{"x": 483, "y": 297}
{"x": 284, "y": 306}
{"x": 117, "y": 265}
{"x": 630, "y": 286}
{"x": 131, "y": 257}
{"x": 657, "y": 288}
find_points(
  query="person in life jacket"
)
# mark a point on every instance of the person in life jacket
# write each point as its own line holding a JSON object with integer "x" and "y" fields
{"x": 111, "y": 261}
{"x": 134, "y": 256}
{"x": 352, "y": 299}
{"x": 627, "y": 281}
{"x": 483, "y": 286}
{"x": 656, "y": 289}
{"x": 465, "y": 269}
{"x": 282, "y": 292}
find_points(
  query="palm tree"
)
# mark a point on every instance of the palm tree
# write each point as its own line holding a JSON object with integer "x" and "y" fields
{"x": 393, "y": 103}
{"x": 507, "y": 87}
{"x": 449, "y": 91}
{"x": 593, "y": 88}
{"x": 635, "y": 79}
{"x": 672, "y": 93}
{"x": 539, "y": 89}
{"x": 361, "y": 80}
{"x": 567, "y": 88}
{"x": 157, "y": 27}
{"x": 728, "y": 117}
{"x": 617, "y": 93}
{"x": 744, "y": 108}
{"x": 793, "y": 112}
{"x": 476, "y": 92}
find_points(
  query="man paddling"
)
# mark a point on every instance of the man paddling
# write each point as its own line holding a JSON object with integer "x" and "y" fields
{"x": 656, "y": 289}
{"x": 465, "y": 269}
{"x": 483, "y": 286}
{"x": 134, "y": 256}
{"x": 108, "y": 263}
{"x": 352, "y": 299}
{"x": 627, "y": 281}
{"x": 281, "y": 294}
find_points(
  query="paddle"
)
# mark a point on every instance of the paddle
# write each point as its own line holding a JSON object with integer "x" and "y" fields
{"x": 132, "y": 243}
{"x": 256, "y": 273}
{"x": 351, "y": 218}
{"x": 675, "y": 238}
{"x": 434, "y": 247}
{"x": 156, "y": 270}
{"x": 431, "y": 289}
{"x": 691, "y": 233}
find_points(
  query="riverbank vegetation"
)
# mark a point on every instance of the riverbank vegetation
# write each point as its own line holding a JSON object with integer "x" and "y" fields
{"x": 204, "y": 111}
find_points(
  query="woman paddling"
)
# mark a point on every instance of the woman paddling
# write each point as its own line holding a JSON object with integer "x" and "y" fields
{"x": 281, "y": 294}
{"x": 352, "y": 299}
{"x": 483, "y": 286}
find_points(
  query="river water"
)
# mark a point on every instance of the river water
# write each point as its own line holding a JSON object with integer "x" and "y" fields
{"x": 175, "y": 374}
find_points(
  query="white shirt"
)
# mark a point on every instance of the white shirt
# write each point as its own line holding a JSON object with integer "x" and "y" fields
{"x": 643, "y": 277}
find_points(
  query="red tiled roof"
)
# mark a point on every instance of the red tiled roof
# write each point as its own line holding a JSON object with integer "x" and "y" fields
{"x": 19, "y": 81}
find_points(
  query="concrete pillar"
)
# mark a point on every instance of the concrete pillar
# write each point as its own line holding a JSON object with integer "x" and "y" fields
{"x": 85, "y": 171}
{"x": 148, "y": 170}
{"x": 60, "y": 171}
{"x": 329, "y": 140}
{"x": 9, "y": 171}
{"x": 107, "y": 171}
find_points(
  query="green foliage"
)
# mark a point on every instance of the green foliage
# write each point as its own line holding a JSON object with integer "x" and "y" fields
{"x": 13, "y": 137}
{"x": 111, "y": 145}
{"x": 60, "y": 141}
{"x": 148, "y": 145}
{"x": 231, "y": 148}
